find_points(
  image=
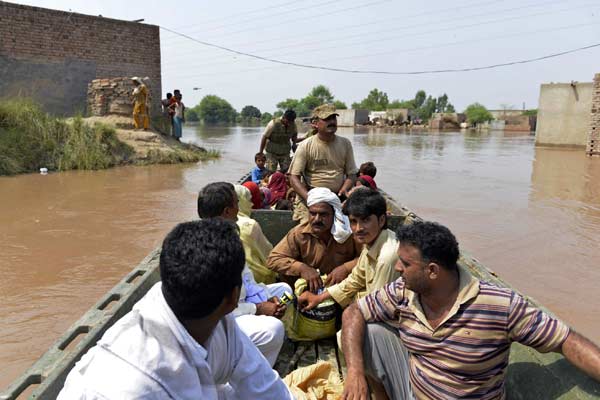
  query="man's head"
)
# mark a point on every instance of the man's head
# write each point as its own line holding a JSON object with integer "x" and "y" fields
{"x": 136, "y": 81}
{"x": 260, "y": 159}
{"x": 320, "y": 217}
{"x": 368, "y": 168}
{"x": 169, "y": 95}
{"x": 289, "y": 116}
{"x": 201, "y": 265}
{"x": 366, "y": 210}
{"x": 324, "y": 120}
{"x": 218, "y": 199}
{"x": 176, "y": 92}
{"x": 428, "y": 253}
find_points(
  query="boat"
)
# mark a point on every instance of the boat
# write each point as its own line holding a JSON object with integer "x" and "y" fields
{"x": 531, "y": 375}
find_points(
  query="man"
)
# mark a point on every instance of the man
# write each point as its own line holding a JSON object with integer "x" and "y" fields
{"x": 277, "y": 139}
{"x": 441, "y": 333}
{"x": 259, "y": 311}
{"x": 179, "y": 342}
{"x": 322, "y": 160}
{"x": 366, "y": 210}
{"x": 140, "y": 104}
{"x": 322, "y": 245}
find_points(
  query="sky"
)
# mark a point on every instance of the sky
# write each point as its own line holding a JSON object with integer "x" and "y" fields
{"x": 374, "y": 35}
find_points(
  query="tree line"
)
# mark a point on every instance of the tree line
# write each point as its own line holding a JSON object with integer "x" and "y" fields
{"x": 213, "y": 109}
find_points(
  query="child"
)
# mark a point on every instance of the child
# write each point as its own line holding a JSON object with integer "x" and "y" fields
{"x": 367, "y": 168}
{"x": 259, "y": 172}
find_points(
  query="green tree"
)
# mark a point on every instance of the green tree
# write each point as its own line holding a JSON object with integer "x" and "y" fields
{"x": 266, "y": 117}
{"x": 191, "y": 115}
{"x": 450, "y": 108}
{"x": 308, "y": 104}
{"x": 288, "y": 103}
{"x": 340, "y": 105}
{"x": 420, "y": 97}
{"x": 427, "y": 108}
{"x": 375, "y": 101}
{"x": 322, "y": 93}
{"x": 409, "y": 104}
{"x": 213, "y": 109}
{"x": 250, "y": 112}
{"x": 442, "y": 103}
{"x": 530, "y": 112}
{"x": 477, "y": 113}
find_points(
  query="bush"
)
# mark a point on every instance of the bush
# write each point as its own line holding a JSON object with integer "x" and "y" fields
{"x": 31, "y": 139}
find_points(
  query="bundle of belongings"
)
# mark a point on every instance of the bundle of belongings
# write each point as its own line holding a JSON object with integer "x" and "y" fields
{"x": 319, "y": 381}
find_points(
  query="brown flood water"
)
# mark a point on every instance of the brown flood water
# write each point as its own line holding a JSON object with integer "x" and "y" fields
{"x": 530, "y": 214}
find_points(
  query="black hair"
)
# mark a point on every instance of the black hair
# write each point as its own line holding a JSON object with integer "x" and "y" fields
{"x": 435, "y": 242}
{"x": 289, "y": 115}
{"x": 368, "y": 168}
{"x": 283, "y": 204}
{"x": 364, "y": 202}
{"x": 259, "y": 155}
{"x": 176, "y": 91}
{"x": 214, "y": 198}
{"x": 169, "y": 95}
{"x": 201, "y": 262}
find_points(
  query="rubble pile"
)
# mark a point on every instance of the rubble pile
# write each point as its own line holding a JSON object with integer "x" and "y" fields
{"x": 110, "y": 96}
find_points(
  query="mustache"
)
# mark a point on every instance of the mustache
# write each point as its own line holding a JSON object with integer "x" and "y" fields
{"x": 332, "y": 125}
{"x": 318, "y": 224}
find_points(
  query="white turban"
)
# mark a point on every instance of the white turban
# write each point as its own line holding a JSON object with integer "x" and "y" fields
{"x": 341, "y": 225}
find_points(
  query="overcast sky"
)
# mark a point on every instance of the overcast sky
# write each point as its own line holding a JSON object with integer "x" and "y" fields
{"x": 382, "y": 35}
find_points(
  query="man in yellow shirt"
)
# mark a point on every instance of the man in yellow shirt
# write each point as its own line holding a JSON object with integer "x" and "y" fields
{"x": 140, "y": 104}
{"x": 366, "y": 210}
{"x": 323, "y": 160}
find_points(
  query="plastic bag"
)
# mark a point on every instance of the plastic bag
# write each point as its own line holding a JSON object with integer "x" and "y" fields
{"x": 319, "y": 381}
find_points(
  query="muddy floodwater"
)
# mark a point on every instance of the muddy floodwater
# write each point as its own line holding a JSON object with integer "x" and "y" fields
{"x": 530, "y": 214}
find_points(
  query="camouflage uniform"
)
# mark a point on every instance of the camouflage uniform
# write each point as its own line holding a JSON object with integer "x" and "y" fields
{"x": 279, "y": 145}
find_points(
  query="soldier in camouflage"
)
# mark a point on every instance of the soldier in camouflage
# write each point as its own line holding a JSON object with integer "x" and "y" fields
{"x": 277, "y": 140}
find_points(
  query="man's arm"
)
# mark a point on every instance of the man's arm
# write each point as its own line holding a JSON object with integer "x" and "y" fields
{"x": 298, "y": 186}
{"x": 348, "y": 183}
{"x": 582, "y": 353}
{"x": 263, "y": 144}
{"x": 353, "y": 333}
{"x": 266, "y": 134}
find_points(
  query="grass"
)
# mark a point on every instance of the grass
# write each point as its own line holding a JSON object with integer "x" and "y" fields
{"x": 31, "y": 139}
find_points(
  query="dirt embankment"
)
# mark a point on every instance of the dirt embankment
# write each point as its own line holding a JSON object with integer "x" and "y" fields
{"x": 151, "y": 147}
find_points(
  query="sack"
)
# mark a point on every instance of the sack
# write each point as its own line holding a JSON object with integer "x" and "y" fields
{"x": 319, "y": 381}
{"x": 318, "y": 323}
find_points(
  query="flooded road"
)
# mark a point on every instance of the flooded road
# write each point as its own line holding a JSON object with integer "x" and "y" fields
{"x": 530, "y": 214}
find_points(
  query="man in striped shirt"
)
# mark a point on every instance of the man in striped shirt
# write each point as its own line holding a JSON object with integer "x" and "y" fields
{"x": 440, "y": 333}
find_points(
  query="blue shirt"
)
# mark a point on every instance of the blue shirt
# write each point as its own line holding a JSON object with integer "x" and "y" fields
{"x": 258, "y": 174}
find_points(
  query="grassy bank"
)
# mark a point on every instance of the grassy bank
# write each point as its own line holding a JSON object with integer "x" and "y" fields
{"x": 31, "y": 139}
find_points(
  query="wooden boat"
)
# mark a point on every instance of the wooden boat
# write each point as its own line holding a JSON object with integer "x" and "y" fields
{"x": 531, "y": 375}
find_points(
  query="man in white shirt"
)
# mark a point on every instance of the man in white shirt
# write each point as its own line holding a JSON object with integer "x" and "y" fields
{"x": 179, "y": 342}
{"x": 259, "y": 311}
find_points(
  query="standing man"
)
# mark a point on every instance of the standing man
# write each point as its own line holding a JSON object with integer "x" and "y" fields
{"x": 323, "y": 160}
{"x": 140, "y": 104}
{"x": 440, "y": 333}
{"x": 277, "y": 140}
{"x": 180, "y": 340}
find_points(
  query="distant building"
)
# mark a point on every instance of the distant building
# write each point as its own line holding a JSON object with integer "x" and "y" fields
{"x": 446, "y": 120}
{"x": 352, "y": 117}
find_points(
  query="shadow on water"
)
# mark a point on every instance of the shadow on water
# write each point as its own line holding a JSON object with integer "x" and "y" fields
{"x": 558, "y": 380}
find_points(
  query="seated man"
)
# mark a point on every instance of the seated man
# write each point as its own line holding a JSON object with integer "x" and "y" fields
{"x": 366, "y": 210}
{"x": 440, "y": 333}
{"x": 259, "y": 311}
{"x": 178, "y": 341}
{"x": 323, "y": 243}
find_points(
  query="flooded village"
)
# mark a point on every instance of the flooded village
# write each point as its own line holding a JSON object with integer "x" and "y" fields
{"x": 96, "y": 171}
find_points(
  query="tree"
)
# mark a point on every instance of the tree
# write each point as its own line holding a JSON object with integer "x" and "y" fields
{"x": 420, "y": 97}
{"x": 266, "y": 117}
{"x": 375, "y": 101}
{"x": 340, "y": 105}
{"x": 427, "y": 109}
{"x": 213, "y": 109}
{"x": 250, "y": 112}
{"x": 409, "y": 104}
{"x": 442, "y": 103}
{"x": 191, "y": 115}
{"x": 477, "y": 113}
{"x": 322, "y": 93}
{"x": 450, "y": 108}
{"x": 288, "y": 104}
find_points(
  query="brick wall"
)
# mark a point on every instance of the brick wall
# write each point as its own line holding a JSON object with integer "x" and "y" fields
{"x": 593, "y": 147}
{"x": 52, "y": 55}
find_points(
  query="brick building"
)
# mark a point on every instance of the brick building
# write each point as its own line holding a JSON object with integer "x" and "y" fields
{"x": 52, "y": 55}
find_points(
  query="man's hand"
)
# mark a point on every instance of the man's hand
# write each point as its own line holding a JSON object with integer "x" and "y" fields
{"x": 337, "y": 275}
{"x": 269, "y": 308}
{"x": 307, "y": 300}
{"x": 312, "y": 278}
{"x": 355, "y": 387}
{"x": 281, "y": 308}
